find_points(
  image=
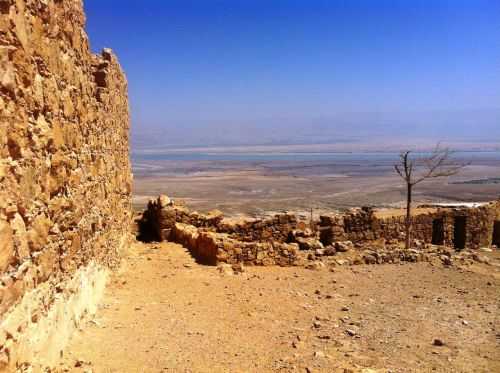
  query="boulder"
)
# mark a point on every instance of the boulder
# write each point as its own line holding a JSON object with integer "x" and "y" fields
{"x": 330, "y": 251}
{"x": 225, "y": 269}
{"x": 343, "y": 246}
{"x": 309, "y": 244}
{"x": 164, "y": 201}
{"x": 369, "y": 259}
{"x": 319, "y": 252}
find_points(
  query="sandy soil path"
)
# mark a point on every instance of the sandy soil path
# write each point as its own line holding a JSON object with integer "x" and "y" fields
{"x": 165, "y": 313}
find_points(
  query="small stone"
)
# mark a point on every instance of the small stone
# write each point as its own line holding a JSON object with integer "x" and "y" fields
{"x": 315, "y": 266}
{"x": 481, "y": 259}
{"x": 351, "y": 332}
{"x": 79, "y": 363}
{"x": 438, "y": 342}
{"x": 225, "y": 269}
{"x": 446, "y": 260}
{"x": 238, "y": 268}
{"x": 319, "y": 354}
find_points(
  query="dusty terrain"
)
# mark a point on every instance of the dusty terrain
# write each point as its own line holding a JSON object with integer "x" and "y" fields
{"x": 257, "y": 187}
{"x": 164, "y": 312}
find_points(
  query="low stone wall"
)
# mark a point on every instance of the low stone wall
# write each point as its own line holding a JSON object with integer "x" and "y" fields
{"x": 162, "y": 215}
{"x": 277, "y": 228}
{"x": 441, "y": 226}
{"x": 214, "y": 248}
{"x": 214, "y": 239}
{"x": 361, "y": 225}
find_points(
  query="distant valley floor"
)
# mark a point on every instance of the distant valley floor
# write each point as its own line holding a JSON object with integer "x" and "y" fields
{"x": 256, "y": 187}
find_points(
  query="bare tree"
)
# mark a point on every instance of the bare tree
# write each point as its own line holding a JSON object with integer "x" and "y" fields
{"x": 416, "y": 170}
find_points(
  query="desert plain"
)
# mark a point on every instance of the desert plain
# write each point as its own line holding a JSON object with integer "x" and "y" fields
{"x": 252, "y": 182}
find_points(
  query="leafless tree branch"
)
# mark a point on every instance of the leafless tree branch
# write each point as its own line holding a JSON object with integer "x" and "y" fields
{"x": 415, "y": 170}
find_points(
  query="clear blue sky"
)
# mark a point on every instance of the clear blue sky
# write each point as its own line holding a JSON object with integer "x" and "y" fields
{"x": 222, "y": 67}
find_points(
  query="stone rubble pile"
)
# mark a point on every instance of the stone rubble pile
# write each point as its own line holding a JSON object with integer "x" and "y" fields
{"x": 392, "y": 254}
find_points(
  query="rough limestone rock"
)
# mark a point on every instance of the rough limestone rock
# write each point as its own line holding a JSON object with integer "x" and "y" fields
{"x": 309, "y": 243}
{"x": 343, "y": 247}
{"x": 65, "y": 179}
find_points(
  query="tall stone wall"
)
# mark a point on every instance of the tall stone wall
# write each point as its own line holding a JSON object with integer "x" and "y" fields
{"x": 65, "y": 179}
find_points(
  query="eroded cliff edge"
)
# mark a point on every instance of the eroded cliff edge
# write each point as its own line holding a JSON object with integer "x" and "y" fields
{"x": 65, "y": 179}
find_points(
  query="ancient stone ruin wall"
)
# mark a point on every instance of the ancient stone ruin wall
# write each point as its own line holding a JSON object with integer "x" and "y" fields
{"x": 214, "y": 248}
{"x": 440, "y": 227}
{"x": 65, "y": 179}
{"x": 276, "y": 228}
{"x": 213, "y": 240}
{"x": 162, "y": 214}
{"x": 479, "y": 224}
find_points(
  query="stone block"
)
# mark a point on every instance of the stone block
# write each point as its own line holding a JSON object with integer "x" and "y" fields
{"x": 6, "y": 245}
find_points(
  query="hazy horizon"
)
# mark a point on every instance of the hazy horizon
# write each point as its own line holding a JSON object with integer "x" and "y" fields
{"x": 470, "y": 129}
{"x": 306, "y": 72}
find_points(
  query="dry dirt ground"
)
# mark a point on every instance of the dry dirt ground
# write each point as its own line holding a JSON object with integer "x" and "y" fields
{"x": 165, "y": 313}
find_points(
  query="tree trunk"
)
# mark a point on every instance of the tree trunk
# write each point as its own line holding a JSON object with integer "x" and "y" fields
{"x": 408, "y": 216}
